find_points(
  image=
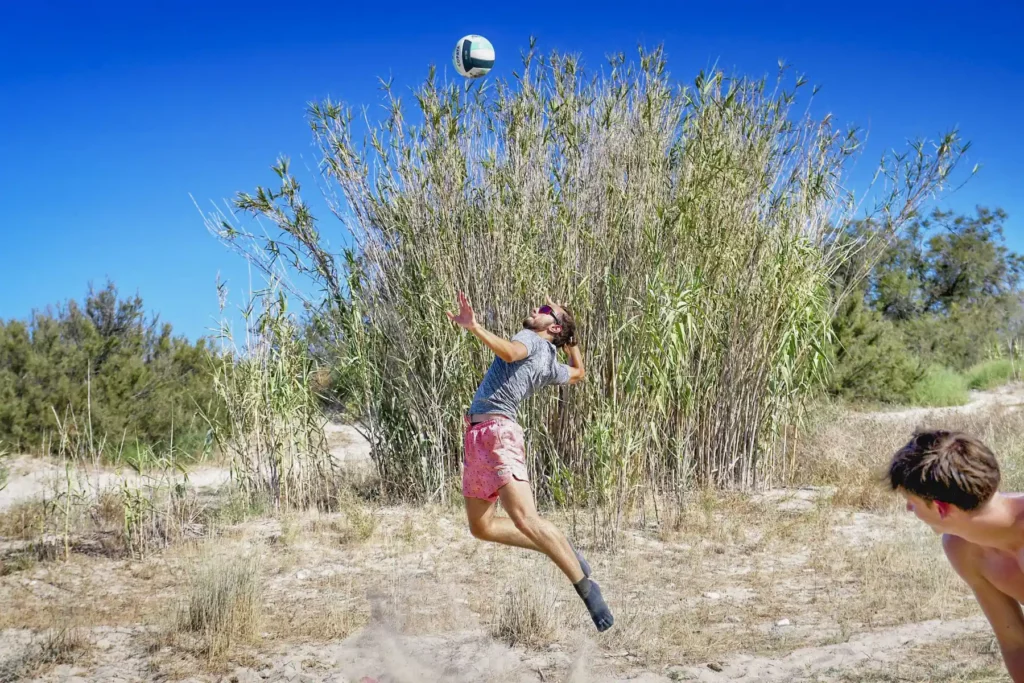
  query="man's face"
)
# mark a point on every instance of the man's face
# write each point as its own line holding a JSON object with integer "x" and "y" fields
{"x": 542, "y": 317}
{"x": 926, "y": 510}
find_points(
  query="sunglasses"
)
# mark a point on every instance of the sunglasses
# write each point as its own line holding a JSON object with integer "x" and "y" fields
{"x": 547, "y": 310}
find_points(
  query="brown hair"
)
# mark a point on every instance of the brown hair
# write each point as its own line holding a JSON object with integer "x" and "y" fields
{"x": 567, "y": 335}
{"x": 944, "y": 466}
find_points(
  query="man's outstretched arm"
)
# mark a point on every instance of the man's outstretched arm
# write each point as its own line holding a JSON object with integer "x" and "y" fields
{"x": 508, "y": 351}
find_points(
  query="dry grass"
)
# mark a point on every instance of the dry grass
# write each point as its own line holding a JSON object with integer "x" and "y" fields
{"x": 527, "y": 614}
{"x": 966, "y": 659}
{"x": 23, "y": 521}
{"x": 59, "y": 646}
{"x": 708, "y": 577}
{"x": 852, "y": 453}
{"x": 223, "y": 606}
{"x": 62, "y": 641}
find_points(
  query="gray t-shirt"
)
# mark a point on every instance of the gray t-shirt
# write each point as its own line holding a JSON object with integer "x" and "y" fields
{"x": 506, "y": 385}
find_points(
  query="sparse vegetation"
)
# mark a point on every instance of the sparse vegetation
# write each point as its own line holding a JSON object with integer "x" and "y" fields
{"x": 527, "y": 614}
{"x": 272, "y": 430}
{"x": 224, "y": 603}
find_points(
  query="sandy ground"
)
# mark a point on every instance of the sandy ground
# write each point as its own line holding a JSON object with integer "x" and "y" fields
{"x": 35, "y": 478}
{"x": 778, "y": 586}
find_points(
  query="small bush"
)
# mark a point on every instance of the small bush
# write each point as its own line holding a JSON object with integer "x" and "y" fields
{"x": 23, "y": 521}
{"x": 66, "y": 645}
{"x": 224, "y": 603}
{"x": 940, "y": 387}
{"x": 990, "y": 374}
{"x": 527, "y": 615}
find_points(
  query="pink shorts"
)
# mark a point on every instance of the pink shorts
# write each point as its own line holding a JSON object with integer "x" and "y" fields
{"x": 494, "y": 456}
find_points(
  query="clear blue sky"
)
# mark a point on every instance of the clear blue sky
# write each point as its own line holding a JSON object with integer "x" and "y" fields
{"x": 111, "y": 116}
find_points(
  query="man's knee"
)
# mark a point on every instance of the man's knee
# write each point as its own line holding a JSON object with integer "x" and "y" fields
{"x": 529, "y": 523}
{"x": 479, "y": 530}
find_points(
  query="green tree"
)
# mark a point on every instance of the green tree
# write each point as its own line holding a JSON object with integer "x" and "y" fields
{"x": 945, "y": 291}
{"x": 118, "y": 379}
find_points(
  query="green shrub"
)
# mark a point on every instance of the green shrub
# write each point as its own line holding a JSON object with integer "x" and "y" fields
{"x": 990, "y": 374}
{"x": 940, "y": 387}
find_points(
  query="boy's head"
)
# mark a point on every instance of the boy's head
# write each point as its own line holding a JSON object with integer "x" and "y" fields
{"x": 938, "y": 469}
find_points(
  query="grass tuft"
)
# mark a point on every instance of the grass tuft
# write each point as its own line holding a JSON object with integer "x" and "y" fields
{"x": 527, "y": 615}
{"x": 224, "y": 603}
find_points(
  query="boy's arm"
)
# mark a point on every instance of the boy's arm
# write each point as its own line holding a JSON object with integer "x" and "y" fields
{"x": 508, "y": 351}
{"x": 1002, "y": 611}
{"x": 1004, "y": 615}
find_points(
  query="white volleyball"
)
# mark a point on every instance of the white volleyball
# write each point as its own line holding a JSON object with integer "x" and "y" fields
{"x": 474, "y": 56}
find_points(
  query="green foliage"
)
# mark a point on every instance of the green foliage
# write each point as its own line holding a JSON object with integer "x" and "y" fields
{"x": 117, "y": 379}
{"x": 991, "y": 373}
{"x": 872, "y": 362}
{"x": 945, "y": 291}
{"x": 940, "y": 387}
{"x": 685, "y": 227}
{"x": 272, "y": 425}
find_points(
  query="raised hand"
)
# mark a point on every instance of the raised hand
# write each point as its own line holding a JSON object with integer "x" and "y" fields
{"x": 465, "y": 317}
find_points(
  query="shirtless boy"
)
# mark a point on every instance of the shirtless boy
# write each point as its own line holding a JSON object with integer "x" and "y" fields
{"x": 495, "y": 459}
{"x": 950, "y": 482}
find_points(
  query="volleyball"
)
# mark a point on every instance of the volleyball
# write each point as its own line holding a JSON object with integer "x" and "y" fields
{"x": 474, "y": 56}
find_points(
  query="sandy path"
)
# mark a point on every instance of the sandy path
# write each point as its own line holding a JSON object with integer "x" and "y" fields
{"x": 31, "y": 477}
{"x": 1010, "y": 397}
{"x": 862, "y": 651}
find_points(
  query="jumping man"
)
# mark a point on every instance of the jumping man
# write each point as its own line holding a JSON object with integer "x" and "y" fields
{"x": 950, "y": 481}
{"x": 495, "y": 459}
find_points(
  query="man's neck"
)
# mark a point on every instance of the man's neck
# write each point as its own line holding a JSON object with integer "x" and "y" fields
{"x": 999, "y": 523}
{"x": 543, "y": 334}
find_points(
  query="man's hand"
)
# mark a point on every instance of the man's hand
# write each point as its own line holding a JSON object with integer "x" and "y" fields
{"x": 508, "y": 351}
{"x": 465, "y": 317}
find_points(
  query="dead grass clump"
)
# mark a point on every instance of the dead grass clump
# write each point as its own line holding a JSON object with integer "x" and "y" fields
{"x": 24, "y": 521}
{"x": 322, "y": 620}
{"x": 66, "y": 645}
{"x": 224, "y": 603}
{"x": 355, "y": 525}
{"x": 527, "y": 615}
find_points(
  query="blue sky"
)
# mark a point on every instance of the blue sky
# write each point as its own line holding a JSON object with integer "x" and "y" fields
{"x": 111, "y": 116}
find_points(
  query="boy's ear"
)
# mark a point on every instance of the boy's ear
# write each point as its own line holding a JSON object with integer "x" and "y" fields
{"x": 943, "y": 508}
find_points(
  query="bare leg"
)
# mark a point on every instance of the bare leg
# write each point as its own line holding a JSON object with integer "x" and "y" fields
{"x": 517, "y": 499}
{"x": 487, "y": 526}
{"x": 527, "y": 530}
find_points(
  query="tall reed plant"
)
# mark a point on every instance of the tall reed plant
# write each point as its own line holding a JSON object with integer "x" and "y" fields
{"x": 272, "y": 426}
{"x": 691, "y": 230}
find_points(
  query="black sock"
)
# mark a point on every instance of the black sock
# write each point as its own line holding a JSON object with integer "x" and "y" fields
{"x": 599, "y": 612}
{"x": 584, "y": 565}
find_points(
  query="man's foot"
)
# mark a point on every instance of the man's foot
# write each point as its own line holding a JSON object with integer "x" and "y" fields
{"x": 599, "y": 612}
{"x": 584, "y": 565}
